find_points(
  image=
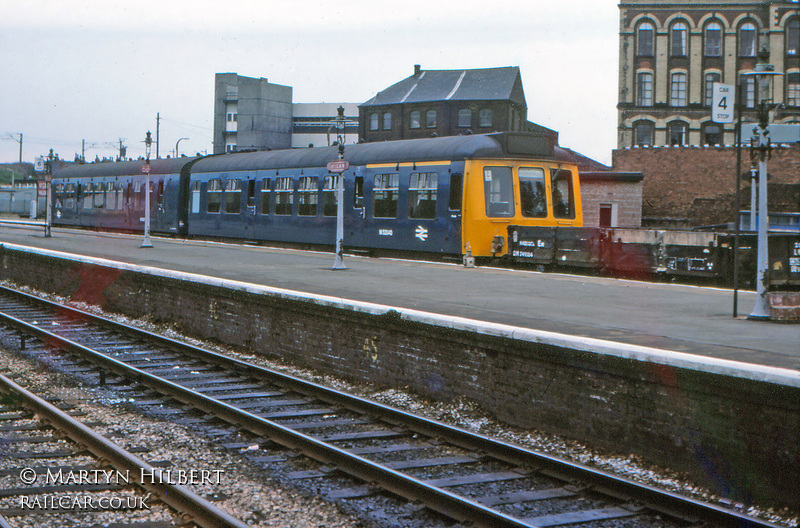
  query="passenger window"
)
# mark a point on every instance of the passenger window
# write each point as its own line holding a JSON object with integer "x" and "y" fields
{"x": 329, "y": 195}
{"x": 563, "y": 199}
{"x": 284, "y": 196}
{"x": 265, "y": 196}
{"x": 384, "y": 195}
{"x": 195, "y": 197}
{"x": 111, "y": 196}
{"x": 88, "y": 196}
{"x": 251, "y": 193}
{"x": 422, "y": 190}
{"x": 69, "y": 199}
{"x": 498, "y": 188}
{"x": 214, "y": 196}
{"x": 456, "y": 191}
{"x": 120, "y": 198}
{"x": 532, "y": 194}
{"x": 307, "y": 196}
{"x": 233, "y": 197}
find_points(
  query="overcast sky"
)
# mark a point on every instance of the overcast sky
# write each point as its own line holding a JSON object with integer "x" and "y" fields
{"x": 101, "y": 70}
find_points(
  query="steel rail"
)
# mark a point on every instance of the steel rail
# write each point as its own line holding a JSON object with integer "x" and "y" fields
{"x": 609, "y": 484}
{"x": 180, "y": 498}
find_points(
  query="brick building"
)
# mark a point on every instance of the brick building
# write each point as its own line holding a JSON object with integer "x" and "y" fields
{"x": 671, "y": 54}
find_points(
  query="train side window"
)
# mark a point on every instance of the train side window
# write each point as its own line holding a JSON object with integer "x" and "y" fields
{"x": 120, "y": 197}
{"x": 214, "y": 196}
{"x": 532, "y": 194}
{"x": 384, "y": 195}
{"x": 111, "y": 196}
{"x": 563, "y": 196}
{"x": 498, "y": 188}
{"x": 358, "y": 192}
{"x": 58, "y": 196}
{"x": 160, "y": 193}
{"x": 233, "y": 197}
{"x": 284, "y": 196}
{"x": 265, "y": 196}
{"x": 251, "y": 193}
{"x": 137, "y": 195}
{"x": 422, "y": 191}
{"x": 456, "y": 191}
{"x": 307, "y": 196}
{"x": 194, "y": 199}
{"x": 88, "y": 195}
{"x": 329, "y": 195}
{"x": 99, "y": 195}
{"x": 69, "y": 199}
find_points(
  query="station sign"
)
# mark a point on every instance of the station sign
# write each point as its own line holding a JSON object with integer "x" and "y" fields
{"x": 723, "y": 97}
{"x": 338, "y": 166}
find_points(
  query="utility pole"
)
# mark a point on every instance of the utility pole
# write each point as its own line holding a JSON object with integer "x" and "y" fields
{"x": 158, "y": 125}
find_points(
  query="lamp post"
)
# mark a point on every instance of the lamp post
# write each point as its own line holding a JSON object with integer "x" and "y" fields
{"x": 148, "y": 143}
{"x": 340, "y": 166}
{"x": 176, "y": 146}
{"x": 763, "y": 75}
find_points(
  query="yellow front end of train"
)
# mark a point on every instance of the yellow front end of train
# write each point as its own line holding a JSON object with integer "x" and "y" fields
{"x": 499, "y": 193}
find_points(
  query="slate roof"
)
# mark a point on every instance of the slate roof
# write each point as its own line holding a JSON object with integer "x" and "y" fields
{"x": 489, "y": 84}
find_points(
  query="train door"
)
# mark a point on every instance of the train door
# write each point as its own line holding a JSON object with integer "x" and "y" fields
{"x": 354, "y": 208}
{"x": 159, "y": 214}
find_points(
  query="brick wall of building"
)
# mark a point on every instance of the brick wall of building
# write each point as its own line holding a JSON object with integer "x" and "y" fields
{"x": 737, "y": 436}
{"x": 626, "y": 197}
{"x": 695, "y": 186}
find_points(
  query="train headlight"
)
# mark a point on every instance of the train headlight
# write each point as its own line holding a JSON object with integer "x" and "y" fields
{"x": 497, "y": 244}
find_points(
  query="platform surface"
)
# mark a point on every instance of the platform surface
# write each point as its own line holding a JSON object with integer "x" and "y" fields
{"x": 691, "y": 319}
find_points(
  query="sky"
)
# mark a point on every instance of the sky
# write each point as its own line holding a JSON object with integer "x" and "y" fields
{"x": 101, "y": 71}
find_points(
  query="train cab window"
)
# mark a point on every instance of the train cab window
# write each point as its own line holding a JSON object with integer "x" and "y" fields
{"x": 284, "y": 196}
{"x": 563, "y": 196}
{"x": 69, "y": 196}
{"x": 422, "y": 188}
{"x": 214, "y": 196}
{"x": 329, "y": 195}
{"x": 498, "y": 188}
{"x": 307, "y": 196}
{"x": 384, "y": 195}
{"x": 532, "y": 195}
{"x": 265, "y": 196}
{"x": 233, "y": 196}
{"x": 195, "y": 197}
{"x": 456, "y": 191}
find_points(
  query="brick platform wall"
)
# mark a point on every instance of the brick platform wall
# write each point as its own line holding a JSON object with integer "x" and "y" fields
{"x": 696, "y": 186}
{"x": 737, "y": 436}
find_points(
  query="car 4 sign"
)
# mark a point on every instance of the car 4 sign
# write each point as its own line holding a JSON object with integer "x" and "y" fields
{"x": 722, "y": 102}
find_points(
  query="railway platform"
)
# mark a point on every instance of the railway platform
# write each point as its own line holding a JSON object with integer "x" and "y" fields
{"x": 681, "y": 318}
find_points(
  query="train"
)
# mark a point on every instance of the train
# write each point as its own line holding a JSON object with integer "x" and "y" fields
{"x": 507, "y": 197}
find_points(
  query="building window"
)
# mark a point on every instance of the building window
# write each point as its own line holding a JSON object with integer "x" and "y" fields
{"x": 679, "y": 40}
{"x": 710, "y": 79}
{"x": 384, "y": 195}
{"x": 414, "y": 119}
{"x": 643, "y": 134}
{"x": 793, "y": 37}
{"x": 748, "y": 40}
{"x": 713, "y": 46}
{"x": 373, "y": 122}
{"x": 430, "y": 119}
{"x": 677, "y": 92}
{"x": 712, "y": 134}
{"x": 749, "y": 91}
{"x": 644, "y": 39}
{"x": 465, "y": 118}
{"x": 678, "y": 133}
{"x": 644, "y": 89}
{"x": 793, "y": 89}
{"x": 307, "y": 196}
{"x": 387, "y": 121}
{"x": 485, "y": 118}
{"x": 422, "y": 188}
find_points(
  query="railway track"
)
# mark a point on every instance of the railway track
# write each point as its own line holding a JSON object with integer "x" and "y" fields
{"x": 52, "y": 464}
{"x": 361, "y": 451}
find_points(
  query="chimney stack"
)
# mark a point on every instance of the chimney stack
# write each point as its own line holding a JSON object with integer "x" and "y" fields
{"x": 416, "y": 70}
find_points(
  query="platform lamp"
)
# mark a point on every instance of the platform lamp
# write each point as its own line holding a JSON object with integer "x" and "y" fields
{"x": 148, "y": 143}
{"x": 763, "y": 74}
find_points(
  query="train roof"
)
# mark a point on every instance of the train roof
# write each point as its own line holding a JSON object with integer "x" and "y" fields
{"x": 122, "y": 168}
{"x": 500, "y": 145}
